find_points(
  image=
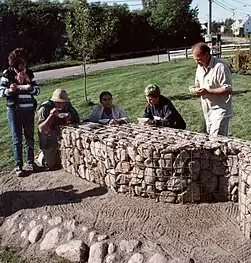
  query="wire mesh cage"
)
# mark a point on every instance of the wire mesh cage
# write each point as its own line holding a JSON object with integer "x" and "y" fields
{"x": 165, "y": 164}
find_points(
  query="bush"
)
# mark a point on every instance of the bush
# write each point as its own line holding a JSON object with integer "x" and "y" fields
{"x": 241, "y": 62}
{"x": 56, "y": 65}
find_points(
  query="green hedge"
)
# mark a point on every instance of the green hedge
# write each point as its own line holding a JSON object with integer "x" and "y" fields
{"x": 56, "y": 65}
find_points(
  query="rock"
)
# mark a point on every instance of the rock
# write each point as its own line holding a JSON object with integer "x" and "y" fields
{"x": 92, "y": 236}
{"x": 137, "y": 172}
{"x": 138, "y": 190}
{"x": 70, "y": 236}
{"x": 45, "y": 217}
{"x": 233, "y": 165}
{"x": 35, "y": 234}
{"x": 136, "y": 258}
{"x": 70, "y": 224}
{"x": 97, "y": 253}
{"x": 180, "y": 161}
{"x": 176, "y": 184}
{"x": 21, "y": 226}
{"x": 75, "y": 251}
{"x": 194, "y": 168}
{"x": 110, "y": 180}
{"x": 84, "y": 229}
{"x": 181, "y": 260}
{"x": 51, "y": 239}
{"x": 111, "y": 248}
{"x": 123, "y": 189}
{"x": 192, "y": 194}
{"x": 162, "y": 175}
{"x": 132, "y": 152}
{"x": 55, "y": 221}
{"x": 166, "y": 161}
{"x": 102, "y": 237}
{"x": 128, "y": 246}
{"x": 25, "y": 234}
{"x": 9, "y": 223}
{"x": 160, "y": 185}
{"x": 135, "y": 181}
{"x": 150, "y": 191}
{"x": 219, "y": 168}
{"x": 111, "y": 258}
{"x": 150, "y": 172}
{"x": 32, "y": 224}
{"x": 158, "y": 258}
{"x": 167, "y": 197}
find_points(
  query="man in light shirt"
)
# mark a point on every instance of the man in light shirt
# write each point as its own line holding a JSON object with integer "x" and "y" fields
{"x": 213, "y": 82}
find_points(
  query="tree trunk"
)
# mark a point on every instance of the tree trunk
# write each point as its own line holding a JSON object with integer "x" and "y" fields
{"x": 85, "y": 89}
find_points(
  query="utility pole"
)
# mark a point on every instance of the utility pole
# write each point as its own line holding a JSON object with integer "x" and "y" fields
{"x": 209, "y": 23}
{"x": 233, "y": 9}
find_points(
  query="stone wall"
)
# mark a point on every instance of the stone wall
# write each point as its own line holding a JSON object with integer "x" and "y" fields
{"x": 165, "y": 164}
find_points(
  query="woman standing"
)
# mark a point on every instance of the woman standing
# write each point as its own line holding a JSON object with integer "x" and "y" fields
{"x": 18, "y": 86}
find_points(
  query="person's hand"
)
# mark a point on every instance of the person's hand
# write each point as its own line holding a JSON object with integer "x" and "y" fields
{"x": 13, "y": 87}
{"x": 68, "y": 118}
{"x": 200, "y": 91}
{"x": 113, "y": 122}
{"x": 54, "y": 112}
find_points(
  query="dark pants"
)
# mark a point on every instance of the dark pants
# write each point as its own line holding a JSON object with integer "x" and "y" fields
{"x": 21, "y": 122}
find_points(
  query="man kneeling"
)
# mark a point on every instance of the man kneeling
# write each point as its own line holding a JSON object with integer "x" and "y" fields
{"x": 52, "y": 114}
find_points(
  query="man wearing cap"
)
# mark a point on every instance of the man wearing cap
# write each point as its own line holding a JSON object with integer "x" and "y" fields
{"x": 51, "y": 114}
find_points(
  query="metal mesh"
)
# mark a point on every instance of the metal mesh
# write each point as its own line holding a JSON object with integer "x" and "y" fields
{"x": 166, "y": 164}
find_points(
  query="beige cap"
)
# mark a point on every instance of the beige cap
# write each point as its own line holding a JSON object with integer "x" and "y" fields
{"x": 59, "y": 95}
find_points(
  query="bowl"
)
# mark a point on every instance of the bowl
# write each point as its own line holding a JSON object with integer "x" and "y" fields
{"x": 157, "y": 118}
{"x": 104, "y": 121}
{"x": 192, "y": 89}
{"x": 23, "y": 87}
{"x": 143, "y": 120}
{"x": 62, "y": 115}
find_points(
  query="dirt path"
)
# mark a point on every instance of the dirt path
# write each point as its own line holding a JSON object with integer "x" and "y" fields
{"x": 206, "y": 232}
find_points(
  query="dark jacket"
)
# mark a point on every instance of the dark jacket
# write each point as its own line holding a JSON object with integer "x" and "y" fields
{"x": 170, "y": 117}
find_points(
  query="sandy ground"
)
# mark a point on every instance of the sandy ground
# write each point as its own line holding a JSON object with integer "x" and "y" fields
{"x": 205, "y": 232}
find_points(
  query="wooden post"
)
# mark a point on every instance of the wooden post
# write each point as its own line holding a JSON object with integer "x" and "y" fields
{"x": 186, "y": 53}
{"x": 168, "y": 55}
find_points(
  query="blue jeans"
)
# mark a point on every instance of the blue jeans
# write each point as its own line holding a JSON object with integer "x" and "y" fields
{"x": 21, "y": 121}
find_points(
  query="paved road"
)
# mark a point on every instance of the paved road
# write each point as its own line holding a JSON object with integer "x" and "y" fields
{"x": 77, "y": 70}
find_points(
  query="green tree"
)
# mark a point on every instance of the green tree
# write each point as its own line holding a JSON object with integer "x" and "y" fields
{"x": 176, "y": 19}
{"x": 88, "y": 29}
{"x": 228, "y": 24}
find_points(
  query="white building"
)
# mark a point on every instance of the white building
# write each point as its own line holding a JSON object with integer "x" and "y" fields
{"x": 241, "y": 27}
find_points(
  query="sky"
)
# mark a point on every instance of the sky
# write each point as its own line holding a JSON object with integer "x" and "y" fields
{"x": 222, "y": 9}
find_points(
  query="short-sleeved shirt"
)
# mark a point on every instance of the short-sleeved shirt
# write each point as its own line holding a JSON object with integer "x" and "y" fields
{"x": 216, "y": 75}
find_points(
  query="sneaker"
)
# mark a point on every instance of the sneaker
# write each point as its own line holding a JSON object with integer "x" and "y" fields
{"x": 19, "y": 171}
{"x": 32, "y": 167}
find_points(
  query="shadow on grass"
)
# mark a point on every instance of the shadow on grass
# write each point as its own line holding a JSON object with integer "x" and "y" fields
{"x": 13, "y": 201}
{"x": 240, "y": 92}
{"x": 183, "y": 96}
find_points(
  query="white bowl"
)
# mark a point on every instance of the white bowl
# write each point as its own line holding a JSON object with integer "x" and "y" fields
{"x": 157, "y": 118}
{"x": 192, "y": 89}
{"x": 104, "y": 121}
{"x": 23, "y": 87}
{"x": 143, "y": 120}
{"x": 62, "y": 115}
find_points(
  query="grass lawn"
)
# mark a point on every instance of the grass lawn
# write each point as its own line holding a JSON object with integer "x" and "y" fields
{"x": 127, "y": 85}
